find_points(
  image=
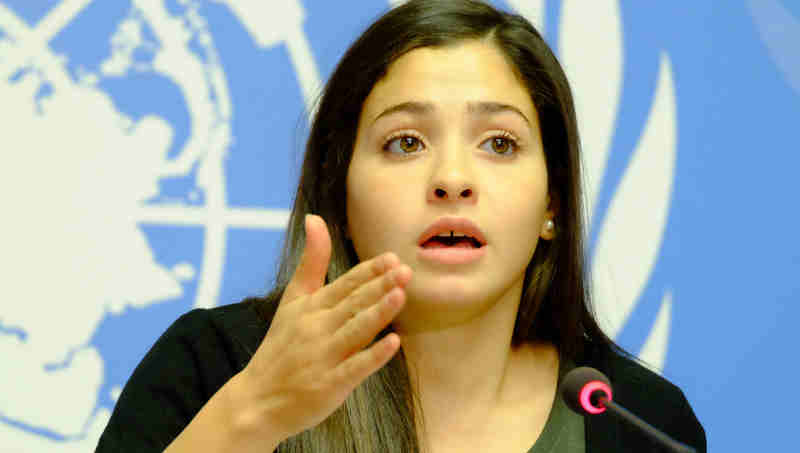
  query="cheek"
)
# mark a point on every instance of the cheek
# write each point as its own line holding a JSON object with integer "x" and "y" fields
{"x": 518, "y": 205}
{"x": 376, "y": 207}
{"x": 521, "y": 193}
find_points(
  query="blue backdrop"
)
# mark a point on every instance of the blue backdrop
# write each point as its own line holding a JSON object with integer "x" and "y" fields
{"x": 151, "y": 147}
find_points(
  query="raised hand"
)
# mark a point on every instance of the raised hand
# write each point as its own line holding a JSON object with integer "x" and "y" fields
{"x": 317, "y": 349}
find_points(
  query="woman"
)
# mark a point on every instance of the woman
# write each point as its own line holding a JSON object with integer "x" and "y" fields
{"x": 437, "y": 296}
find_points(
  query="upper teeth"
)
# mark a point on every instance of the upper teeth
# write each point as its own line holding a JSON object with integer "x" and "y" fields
{"x": 455, "y": 234}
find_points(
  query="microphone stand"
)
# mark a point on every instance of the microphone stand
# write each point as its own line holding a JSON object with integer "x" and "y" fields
{"x": 647, "y": 428}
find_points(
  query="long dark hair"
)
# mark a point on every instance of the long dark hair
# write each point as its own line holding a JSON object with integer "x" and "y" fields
{"x": 554, "y": 306}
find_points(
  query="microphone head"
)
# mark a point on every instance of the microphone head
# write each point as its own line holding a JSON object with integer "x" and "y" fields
{"x": 578, "y": 386}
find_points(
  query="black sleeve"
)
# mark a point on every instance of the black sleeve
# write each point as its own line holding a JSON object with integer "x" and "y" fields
{"x": 688, "y": 427}
{"x": 660, "y": 403}
{"x": 653, "y": 398}
{"x": 178, "y": 375}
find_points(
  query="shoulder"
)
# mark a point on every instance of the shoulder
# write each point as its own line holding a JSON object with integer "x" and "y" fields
{"x": 192, "y": 359}
{"x": 632, "y": 380}
{"x": 228, "y": 333}
{"x": 194, "y": 323}
{"x": 648, "y": 395}
{"x": 238, "y": 327}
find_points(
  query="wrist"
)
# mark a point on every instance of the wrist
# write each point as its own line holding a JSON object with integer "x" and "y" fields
{"x": 244, "y": 418}
{"x": 227, "y": 423}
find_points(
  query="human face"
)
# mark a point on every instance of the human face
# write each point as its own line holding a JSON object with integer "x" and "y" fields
{"x": 450, "y": 132}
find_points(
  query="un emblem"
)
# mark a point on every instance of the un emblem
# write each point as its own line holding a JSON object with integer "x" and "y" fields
{"x": 87, "y": 179}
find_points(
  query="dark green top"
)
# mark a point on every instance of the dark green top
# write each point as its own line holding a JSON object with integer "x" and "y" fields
{"x": 563, "y": 432}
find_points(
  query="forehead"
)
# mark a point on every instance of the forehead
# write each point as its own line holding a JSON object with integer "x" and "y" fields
{"x": 450, "y": 76}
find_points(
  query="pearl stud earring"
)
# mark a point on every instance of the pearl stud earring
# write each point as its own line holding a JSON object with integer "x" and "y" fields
{"x": 549, "y": 225}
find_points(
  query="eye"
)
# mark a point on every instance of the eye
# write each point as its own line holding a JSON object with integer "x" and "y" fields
{"x": 403, "y": 144}
{"x": 503, "y": 144}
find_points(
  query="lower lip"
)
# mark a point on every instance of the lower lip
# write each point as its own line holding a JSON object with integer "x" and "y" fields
{"x": 451, "y": 255}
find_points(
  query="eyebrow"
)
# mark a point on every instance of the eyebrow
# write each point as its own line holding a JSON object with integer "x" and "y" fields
{"x": 473, "y": 108}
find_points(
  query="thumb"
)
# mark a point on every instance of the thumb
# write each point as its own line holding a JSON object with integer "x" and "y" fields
{"x": 310, "y": 273}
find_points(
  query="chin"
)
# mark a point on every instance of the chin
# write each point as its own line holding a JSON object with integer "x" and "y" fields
{"x": 446, "y": 292}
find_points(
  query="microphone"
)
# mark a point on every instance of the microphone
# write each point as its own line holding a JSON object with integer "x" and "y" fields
{"x": 587, "y": 391}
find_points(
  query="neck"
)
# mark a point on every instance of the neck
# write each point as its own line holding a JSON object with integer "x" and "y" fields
{"x": 442, "y": 363}
{"x": 464, "y": 373}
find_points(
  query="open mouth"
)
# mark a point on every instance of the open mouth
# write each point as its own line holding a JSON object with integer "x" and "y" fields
{"x": 451, "y": 241}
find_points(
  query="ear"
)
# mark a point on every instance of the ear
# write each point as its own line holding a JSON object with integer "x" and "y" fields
{"x": 548, "y": 229}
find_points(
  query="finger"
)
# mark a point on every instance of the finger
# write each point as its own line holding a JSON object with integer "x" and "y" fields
{"x": 369, "y": 294}
{"x": 310, "y": 273}
{"x": 359, "y": 331}
{"x": 359, "y": 366}
{"x": 362, "y": 273}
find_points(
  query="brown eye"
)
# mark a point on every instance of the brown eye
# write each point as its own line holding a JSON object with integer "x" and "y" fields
{"x": 406, "y": 144}
{"x": 502, "y": 146}
{"x": 409, "y": 144}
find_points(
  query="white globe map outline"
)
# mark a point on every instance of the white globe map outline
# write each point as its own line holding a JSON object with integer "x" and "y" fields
{"x": 654, "y": 153}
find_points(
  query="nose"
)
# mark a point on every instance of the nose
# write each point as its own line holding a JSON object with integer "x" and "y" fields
{"x": 452, "y": 179}
{"x": 442, "y": 194}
